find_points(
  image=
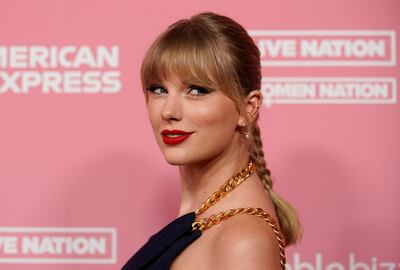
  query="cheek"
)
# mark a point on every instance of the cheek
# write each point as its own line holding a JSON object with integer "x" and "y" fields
{"x": 154, "y": 113}
{"x": 218, "y": 119}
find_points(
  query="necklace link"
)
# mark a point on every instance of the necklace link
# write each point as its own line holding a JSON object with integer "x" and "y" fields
{"x": 231, "y": 184}
{"x": 214, "y": 219}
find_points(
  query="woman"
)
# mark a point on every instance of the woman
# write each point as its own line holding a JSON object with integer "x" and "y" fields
{"x": 202, "y": 80}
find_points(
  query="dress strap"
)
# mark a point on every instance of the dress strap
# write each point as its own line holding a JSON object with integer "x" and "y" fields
{"x": 206, "y": 223}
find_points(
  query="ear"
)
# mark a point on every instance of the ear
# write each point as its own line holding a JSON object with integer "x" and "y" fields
{"x": 252, "y": 104}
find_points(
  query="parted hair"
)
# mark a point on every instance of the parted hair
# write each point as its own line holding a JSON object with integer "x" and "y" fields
{"x": 215, "y": 51}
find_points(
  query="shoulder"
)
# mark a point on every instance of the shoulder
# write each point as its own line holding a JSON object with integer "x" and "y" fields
{"x": 245, "y": 242}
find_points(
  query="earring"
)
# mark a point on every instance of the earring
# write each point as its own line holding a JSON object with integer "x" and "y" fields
{"x": 247, "y": 134}
{"x": 253, "y": 114}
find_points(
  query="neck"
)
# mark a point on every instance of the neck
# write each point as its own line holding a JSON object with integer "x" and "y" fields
{"x": 200, "y": 180}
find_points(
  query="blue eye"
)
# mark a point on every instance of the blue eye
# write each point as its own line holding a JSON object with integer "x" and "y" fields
{"x": 198, "y": 90}
{"x": 157, "y": 89}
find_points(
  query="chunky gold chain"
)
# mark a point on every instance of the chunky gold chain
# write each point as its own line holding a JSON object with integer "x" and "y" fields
{"x": 229, "y": 185}
{"x": 206, "y": 223}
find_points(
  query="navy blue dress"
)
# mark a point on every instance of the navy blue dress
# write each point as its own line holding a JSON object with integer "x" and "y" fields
{"x": 163, "y": 247}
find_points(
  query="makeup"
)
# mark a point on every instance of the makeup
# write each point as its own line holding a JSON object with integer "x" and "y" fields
{"x": 174, "y": 136}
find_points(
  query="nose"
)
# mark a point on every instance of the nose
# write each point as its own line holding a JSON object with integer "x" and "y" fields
{"x": 172, "y": 108}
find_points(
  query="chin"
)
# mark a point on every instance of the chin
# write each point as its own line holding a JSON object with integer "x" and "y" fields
{"x": 176, "y": 159}
{"x": 182, "y": 157}
{"x": 174, "y": 163}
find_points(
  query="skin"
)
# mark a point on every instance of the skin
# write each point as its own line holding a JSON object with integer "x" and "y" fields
{"x": 211, "y": 155}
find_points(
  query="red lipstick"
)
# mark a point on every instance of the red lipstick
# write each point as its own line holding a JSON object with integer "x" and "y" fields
{"x": 174, "y": 136}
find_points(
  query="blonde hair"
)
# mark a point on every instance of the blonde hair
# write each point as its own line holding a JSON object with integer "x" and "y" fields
{"x": 216, "y": 52}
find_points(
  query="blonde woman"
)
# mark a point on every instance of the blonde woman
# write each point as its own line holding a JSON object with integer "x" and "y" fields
{"x": 201, "y": 79}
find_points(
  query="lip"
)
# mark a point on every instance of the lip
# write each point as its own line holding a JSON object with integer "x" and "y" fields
{"x": 183, "y": 135}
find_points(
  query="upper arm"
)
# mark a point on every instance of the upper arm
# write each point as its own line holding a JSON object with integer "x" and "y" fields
{"x": 247, "y": 244}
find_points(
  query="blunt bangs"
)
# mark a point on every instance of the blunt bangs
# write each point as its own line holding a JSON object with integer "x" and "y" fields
{"x": 191, "y": 53}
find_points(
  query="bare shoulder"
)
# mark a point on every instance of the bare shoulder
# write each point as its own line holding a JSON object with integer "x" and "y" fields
{"x": 245, "y": 242}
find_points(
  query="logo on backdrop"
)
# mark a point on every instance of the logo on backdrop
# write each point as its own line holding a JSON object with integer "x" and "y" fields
{"x": 326, "y": 48}
{"x": 44, "y": 245}
{"x": 59, "y": 69}
{"x": 339, "y": 49}
{"x": 330, "y": 90}
{"x": 352, "y": 263}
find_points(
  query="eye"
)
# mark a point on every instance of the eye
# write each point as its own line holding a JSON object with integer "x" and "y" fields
{"x": 198, "y": 90}
{"x": 157, "y": 89}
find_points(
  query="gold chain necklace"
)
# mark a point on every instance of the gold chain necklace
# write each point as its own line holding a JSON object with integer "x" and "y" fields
{"x": 229, "y": 185}
{"x": 232, "y": 183}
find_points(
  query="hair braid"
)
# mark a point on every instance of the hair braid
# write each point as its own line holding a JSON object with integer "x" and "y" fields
{"x": 287, "y": 216}
{"x": 258, "y": 156}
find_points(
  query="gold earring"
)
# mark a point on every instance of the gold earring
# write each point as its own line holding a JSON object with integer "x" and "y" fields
{"x": 253, "y": 114}
{"x": 247, "y": 134}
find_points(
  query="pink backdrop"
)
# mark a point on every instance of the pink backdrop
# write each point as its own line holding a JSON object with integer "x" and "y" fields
{"x": 84, "y": 185}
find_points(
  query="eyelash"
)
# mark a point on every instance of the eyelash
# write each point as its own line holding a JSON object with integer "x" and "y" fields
{"x": 202, "y": 90}
{"x": 153, "y": 88}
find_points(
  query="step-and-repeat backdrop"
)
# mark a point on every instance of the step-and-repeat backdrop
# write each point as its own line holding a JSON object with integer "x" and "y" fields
{"x": 83, "y": 184}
